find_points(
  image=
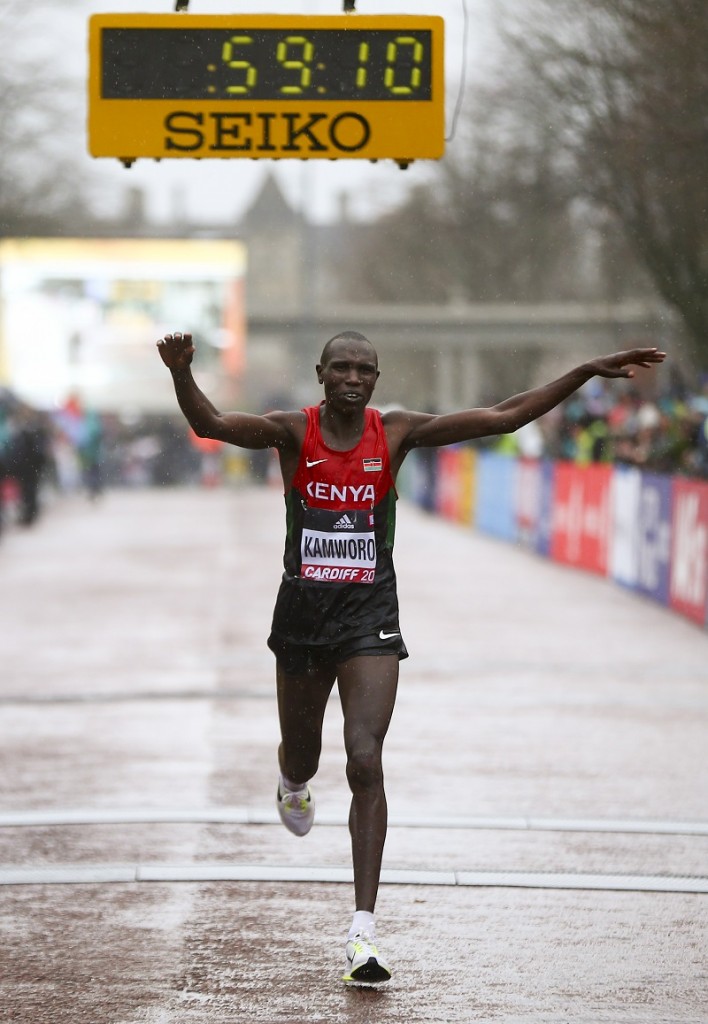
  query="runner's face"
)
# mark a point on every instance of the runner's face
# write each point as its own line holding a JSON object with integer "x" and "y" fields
{"x": 349, "y": 375}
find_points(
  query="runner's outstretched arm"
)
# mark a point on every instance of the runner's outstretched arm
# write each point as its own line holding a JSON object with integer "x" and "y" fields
{"x": 239, "y": 428}
{"x": 432, "y": 431}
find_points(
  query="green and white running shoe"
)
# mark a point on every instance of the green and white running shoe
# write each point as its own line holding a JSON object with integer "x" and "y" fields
{"x": 365, "y": 966}
{"x": 296, "y": 810}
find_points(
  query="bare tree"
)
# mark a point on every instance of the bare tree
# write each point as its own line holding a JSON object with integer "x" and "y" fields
{"x": 398, "y": 258}
{"x": 38, "y": 174}
{"x": 512, "y": 234}
{"x": 622, "y": 87}
{"x": 500, "y": 221}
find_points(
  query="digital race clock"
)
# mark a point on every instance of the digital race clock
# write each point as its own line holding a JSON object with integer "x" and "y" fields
{"x": 266, "y": 86}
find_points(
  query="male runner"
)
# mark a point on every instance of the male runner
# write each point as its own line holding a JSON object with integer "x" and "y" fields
{"x": 336, "y": 614}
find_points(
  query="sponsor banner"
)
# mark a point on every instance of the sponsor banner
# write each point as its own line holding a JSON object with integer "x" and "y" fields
{"x": 581, "y": 516}
{"x": 496, "y": 491}
{"x": 464, "y": 512}
{"x": 647, "y": 531}
{"x": 528, "y": 500}
{"x": 626, "y": 491}
{"x": 447, "y": 494}
{"x": 544, "y": 526}
{"x": 688, "y": 587}
{"x": 654, "y": 537}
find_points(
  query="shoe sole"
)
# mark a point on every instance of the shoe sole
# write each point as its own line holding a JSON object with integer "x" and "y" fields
{"x": 299, "y": 833}
{"x": 369, "y": 975}
{"x": 364, "y": 984}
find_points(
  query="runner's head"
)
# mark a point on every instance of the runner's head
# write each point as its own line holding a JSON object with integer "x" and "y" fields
{"x": 351, "y": 337}
{"x": 349, "y": 369}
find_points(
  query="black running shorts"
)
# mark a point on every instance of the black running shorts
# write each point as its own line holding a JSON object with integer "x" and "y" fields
{"x": 298, "y": 659}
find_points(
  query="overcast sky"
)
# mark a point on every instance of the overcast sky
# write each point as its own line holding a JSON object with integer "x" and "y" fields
{"x": 219, "y": 190}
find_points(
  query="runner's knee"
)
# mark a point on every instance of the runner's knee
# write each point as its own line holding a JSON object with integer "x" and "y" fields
{"x": 364, "y": 770}
{"x": 300, "y": 761}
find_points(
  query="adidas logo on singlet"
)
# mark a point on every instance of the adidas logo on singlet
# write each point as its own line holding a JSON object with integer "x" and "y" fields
{"x": 344, "y": 523}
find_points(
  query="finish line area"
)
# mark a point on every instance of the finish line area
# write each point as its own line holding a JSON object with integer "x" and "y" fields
{"x": 545, "y": 772}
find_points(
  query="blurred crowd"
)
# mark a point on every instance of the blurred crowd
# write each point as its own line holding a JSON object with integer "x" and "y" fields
{"x": 76, "y": 450}
{"x": 605, "y": 423}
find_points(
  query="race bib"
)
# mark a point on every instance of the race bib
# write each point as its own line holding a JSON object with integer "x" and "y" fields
{"x": 338, "y": 547}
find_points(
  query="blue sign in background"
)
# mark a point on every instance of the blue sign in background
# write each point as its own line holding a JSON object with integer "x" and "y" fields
{"x": 496, "y": 495}
{"x": 654, "y": 542}
{"x": 544, "y": 525}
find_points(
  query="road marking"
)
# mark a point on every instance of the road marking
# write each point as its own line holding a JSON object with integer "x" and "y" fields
{"x": 256, "y": 816}
{"x": 92, "y": 874}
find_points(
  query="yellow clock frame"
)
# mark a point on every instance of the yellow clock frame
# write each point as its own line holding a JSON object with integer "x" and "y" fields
{"x": 379, "y": 91}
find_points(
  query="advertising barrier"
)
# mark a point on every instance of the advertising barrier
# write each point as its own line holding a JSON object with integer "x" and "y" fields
{"x": 645, "y": 531}
{"x": 581, "y": 516}
{"x": 528, "y": 501}
{"x": 626, "y": 498}
{"x": 688, "y": 585}
{"x": 654, "y": 537}
{"x": 455, "y": 477}
{"x": 496, "y": 495}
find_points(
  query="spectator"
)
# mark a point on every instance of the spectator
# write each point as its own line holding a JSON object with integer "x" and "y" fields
{"x": 27, "y": 457}
{"x": 90, "y": 453}
{"x": 669, "y": 435}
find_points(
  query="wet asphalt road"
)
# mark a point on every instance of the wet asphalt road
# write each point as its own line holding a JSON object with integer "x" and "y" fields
{"x": 550, "y": 727}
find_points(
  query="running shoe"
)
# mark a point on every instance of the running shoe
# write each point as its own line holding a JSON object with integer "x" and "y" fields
{"x": 296, "y": 810}
{"x": 365, "y": 965}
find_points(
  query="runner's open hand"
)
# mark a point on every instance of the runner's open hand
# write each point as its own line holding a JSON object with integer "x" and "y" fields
{"x": 617, "y": 365}
{"x": 176, "y": 350}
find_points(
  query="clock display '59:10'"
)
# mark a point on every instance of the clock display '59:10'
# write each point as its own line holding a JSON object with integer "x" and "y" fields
{"x": 265, "y": 64}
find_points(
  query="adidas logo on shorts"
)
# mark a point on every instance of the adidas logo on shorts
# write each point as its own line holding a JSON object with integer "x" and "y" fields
{"x": 344, "y": 523}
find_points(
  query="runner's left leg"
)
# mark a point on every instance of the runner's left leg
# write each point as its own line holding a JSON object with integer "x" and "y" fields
{"x": 367, "y": 689}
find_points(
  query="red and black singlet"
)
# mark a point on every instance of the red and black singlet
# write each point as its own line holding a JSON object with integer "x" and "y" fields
{"x": 339, "y": 582}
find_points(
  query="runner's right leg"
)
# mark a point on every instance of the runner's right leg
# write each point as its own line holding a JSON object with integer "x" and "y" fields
{"x": 302, "y": 701}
